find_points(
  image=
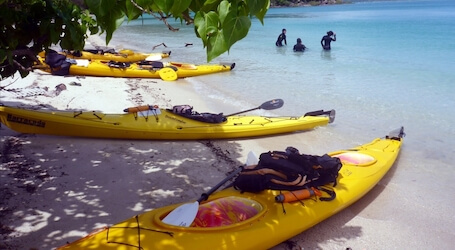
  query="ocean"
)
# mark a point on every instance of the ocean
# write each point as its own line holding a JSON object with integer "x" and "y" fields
{"x": 392, "y": 65}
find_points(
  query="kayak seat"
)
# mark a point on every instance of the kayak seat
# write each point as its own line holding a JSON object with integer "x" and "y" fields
{"x": 152, "y": 64}
{"x": 355, "y": 158}
{"x": 100, "y": 51}
{"x": 225, "y": 211}
{"x": 120, "y": 65}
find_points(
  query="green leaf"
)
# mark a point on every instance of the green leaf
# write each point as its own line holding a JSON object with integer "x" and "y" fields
{"x": 206, "y": 25}
{"x": 112, "y": 25}
{"x": 179, "y": 7}
{"x": 103, "y": 7}
{"x": 196, "y": 5}
{"x": 199, "y": 27}
{"x": 235, "y": 28}
{"x": 132, "y": 12}
{"x": 165, "y": 5}
{"x": 223, "y": 10}
{"x": 258, "y": 8}
{"x": 210, "y": 5}
{"x": 216, "y": 46}
{"x": 55, "y": 33}
{"x": 109, "y": 14}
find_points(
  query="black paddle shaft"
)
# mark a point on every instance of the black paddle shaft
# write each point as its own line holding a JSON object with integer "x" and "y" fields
{"x": 205, "y": 196}
{"x": 272, "y": 104}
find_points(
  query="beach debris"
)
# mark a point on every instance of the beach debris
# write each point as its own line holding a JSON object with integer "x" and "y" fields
{"x": 75, "y": 84}
{"x": 33, "y": 91}
{"x": 159, "y": 45}
{"x": 24, "y": 92}
{"x": 220, "y": 154}
{"x": 59, "y": 88}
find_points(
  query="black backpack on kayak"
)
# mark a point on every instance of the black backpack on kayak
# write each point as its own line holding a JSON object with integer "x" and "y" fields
{"x": 188, "y": 112}
{"x": 58, "y": 63}
{"x": 290, "y": 170}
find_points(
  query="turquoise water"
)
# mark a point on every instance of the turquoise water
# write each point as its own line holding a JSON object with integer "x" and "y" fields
{"x": 393, "y": 65}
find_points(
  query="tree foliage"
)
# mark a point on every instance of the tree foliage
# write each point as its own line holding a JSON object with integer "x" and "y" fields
{"x": 30, "y": 26}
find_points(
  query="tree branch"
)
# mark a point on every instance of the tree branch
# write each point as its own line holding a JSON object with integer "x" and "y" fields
{"x": 161, "y": 17}
{"x": 187, "y": 18}
{"x": 25, "y": 52}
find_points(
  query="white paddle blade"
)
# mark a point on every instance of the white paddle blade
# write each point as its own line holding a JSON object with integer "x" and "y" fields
{"x": 183, "y": 215}
{"x": 153, "y": 57}
{"x": 251, "y": 159}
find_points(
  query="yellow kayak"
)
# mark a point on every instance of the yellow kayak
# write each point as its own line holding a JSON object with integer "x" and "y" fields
{"x": 148, "y": 70}
{"x": 125, "y": 55}
{"x": 168, "y": 71}
{"x": 230, "y": 219}
{"x": 155, "y": 123}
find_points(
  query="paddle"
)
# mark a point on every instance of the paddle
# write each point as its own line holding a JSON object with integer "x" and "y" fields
{"x": 154, "y": 57}
{"x": 331, "y": 114}
{"x": 251, "y": 159}
{"x": 185, "y": 214}
{"x": 269, "y": 105}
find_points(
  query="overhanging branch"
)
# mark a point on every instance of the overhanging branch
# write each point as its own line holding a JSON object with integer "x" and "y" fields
{"x": 163, "y": 17}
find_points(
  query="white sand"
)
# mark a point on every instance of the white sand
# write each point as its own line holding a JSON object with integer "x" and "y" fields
{"x": 57, "y": 189}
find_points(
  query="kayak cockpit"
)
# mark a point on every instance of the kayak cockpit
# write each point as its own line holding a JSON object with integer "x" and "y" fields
{"x": 221, "y": 214}
{"x": 225, "y": 211}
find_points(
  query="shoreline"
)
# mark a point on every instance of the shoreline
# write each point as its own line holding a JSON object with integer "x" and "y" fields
{"x": 59, "y": 189}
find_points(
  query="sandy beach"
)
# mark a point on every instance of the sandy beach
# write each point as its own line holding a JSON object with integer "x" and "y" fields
{"x": 58, "y": 189}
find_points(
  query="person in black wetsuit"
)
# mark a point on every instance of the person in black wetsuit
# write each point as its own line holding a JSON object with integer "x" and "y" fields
{"x": 327, "y": 39}
{"x": 299, "y": 46}
{"x": 281, "y": 38}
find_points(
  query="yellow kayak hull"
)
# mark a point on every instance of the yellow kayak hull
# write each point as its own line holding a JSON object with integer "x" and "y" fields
{"x": 269, "y": 227}
{"x": 134, "y": 70}
{"x": 159, "y": 124}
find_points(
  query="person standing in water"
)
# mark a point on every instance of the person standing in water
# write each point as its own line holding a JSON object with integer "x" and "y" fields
{"x": 281, "y": 38}
{"x": 299, "y": 46}
{"x": 327, "y": 39}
